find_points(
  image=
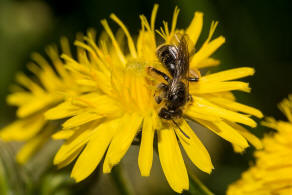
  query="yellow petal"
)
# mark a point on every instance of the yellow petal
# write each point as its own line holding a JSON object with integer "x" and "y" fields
{"x": 131, "y": 44}
{"x": 50, "y": 81}
{"x": 191, "y": 113}
{"x": 23, "y": 129}
{"x": 228, "y": 75}
{"x": 227, "y": 95}
{"x": 195, "y": 149}
{"x": 238, "y": 149}
{"x": 74, "y": 66}
{"x": 204, "y": 88}
{"x": 200, "y": 105}
{"x": 69, "y": 159}
{"x": 33, "y": 145}
{"x": 256, "y": 142}
{"x": 194, "y": 29}
{"x": 92, "y": 54}
{"x": 94, "y": 151}
{"x": 53, "y": 53}
{"x": 28, "y": 83}
{"x": 208, "y": 62}
{"x": 284, "y": 127}
{"x": 206, "y": 51}
{"x": 171, "y": 161}
{"x": 63, "y": 110}
{"x": 270, "y": 122}
{"x": 86, "y": 83}
{"x": 65, "y": 46}
{"x": 114, "y": 41}
{"x": 19, "y": 98}
{"x": 153, "y": 16}
{"x": 146, "y": 148}
{"x": 174, "y": 21}
{"x": 36, "y": 103}
{"x": 233, "y": 105}
{"x": 129, "y": 127}
{"x": 285, "y": 107}
{"x": 63, "y": 134}
{"x": 226, "y": 132}
{"x": 80, "y": 119}
{"x": 75, "y": 142}
{"x": 100, "y": 104}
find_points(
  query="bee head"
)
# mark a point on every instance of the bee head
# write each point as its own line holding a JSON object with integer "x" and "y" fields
{"x": 176, "y": 96}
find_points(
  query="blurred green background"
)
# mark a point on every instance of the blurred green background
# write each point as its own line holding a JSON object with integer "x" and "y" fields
{"x": 258, "y": 34}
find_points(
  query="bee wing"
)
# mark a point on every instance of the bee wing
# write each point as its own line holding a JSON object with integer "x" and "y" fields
{"x": 182, "y": 64}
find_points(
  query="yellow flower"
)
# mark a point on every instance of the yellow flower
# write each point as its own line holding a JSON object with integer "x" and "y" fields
{"x": 120, "y": 104}
{"x": 271, "y": 173}
{"x": 35, "y": 96}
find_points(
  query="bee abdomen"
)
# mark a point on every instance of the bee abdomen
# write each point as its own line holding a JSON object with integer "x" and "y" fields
{"x": 168, "y": 55}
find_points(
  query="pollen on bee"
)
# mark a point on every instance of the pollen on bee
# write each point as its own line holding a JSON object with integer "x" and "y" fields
{"x": 195, "y": 73}
{"x": 138, "y": 67}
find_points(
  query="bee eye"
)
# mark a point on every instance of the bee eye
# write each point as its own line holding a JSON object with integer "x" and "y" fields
{"x": 180, "y": 93}
{"x": 172, "y": 97}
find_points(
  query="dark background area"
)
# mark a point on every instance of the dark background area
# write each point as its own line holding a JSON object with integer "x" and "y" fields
{"x": 258, "y": 34}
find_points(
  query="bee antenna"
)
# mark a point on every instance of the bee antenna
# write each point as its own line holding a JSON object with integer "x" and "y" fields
{"x": 181, "y": 129}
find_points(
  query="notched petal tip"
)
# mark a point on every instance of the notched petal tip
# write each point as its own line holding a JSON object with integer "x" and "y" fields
{"x": 76, "y": 178}
{"x": 107, "y": 167}
{"x": 195, "y": 149}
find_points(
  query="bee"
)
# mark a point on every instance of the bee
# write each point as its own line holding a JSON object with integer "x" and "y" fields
{"x": 175, "y": 92}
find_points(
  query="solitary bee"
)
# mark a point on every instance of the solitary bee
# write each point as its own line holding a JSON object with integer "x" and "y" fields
{"x": 175, "y": 94}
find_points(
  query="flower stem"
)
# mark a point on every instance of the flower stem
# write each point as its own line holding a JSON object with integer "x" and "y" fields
{"x": 121, "y": 181}
{"x": 197, "y": 187}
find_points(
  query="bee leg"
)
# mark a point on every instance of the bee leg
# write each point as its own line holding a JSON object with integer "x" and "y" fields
{"x": 151, "y": 69}
{"x": 190, "y": 98}
{"x": 195, "y": 75}
{"x": 162, "y": 88}
{"x": 165, "y": 114}
{"x": 169, "y": 114}
{"x": 195, "y": 79}
{"x": 158, "y": 99}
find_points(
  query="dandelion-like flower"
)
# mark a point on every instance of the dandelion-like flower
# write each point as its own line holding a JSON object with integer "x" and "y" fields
{"x": 34, "y": 96}
{"x": 120, "y": 104}
{"x": 271, "y": 173}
